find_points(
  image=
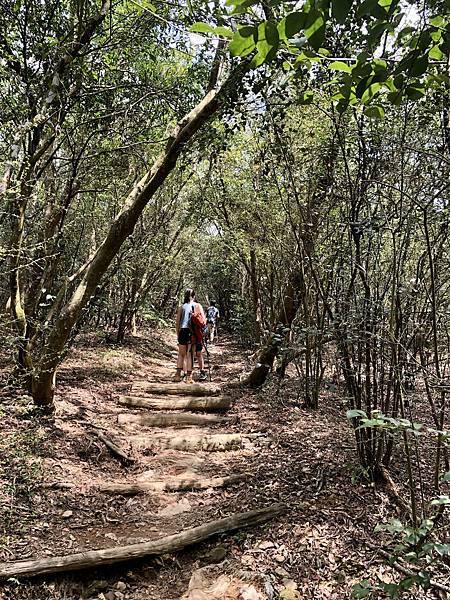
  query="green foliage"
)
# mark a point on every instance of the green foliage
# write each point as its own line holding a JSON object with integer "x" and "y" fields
{"x": 242, "y": 321}
{"x": 414, "y": 52}
{"x": 413, "y": 548}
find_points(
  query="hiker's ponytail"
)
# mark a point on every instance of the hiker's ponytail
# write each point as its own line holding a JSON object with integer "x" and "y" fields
{"x": 189, "y": 295}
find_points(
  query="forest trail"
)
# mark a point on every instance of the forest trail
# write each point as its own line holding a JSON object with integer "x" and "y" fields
{"x": 107, "y": 478}
{"x": 134, "y": 457}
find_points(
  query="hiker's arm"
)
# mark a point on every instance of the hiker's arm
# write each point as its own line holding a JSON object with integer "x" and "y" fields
{"x": 178, "y": 321}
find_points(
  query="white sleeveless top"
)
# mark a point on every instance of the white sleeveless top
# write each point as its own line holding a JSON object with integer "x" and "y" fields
{"x": 185, "y": 318}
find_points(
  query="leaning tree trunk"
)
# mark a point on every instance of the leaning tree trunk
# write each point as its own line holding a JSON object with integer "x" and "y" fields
{"x": 271, "y": 349}
{"x": 296, "y": 288}
{"x": 50, "y": 351}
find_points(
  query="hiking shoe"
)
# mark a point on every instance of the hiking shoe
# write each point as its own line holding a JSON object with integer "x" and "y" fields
{"x": 203, "y": 376}
{"x": 177, "y": 377}
{"x": 189, "y": 378}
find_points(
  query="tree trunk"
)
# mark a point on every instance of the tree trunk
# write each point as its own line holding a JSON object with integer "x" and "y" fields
{"x": 217, "y": 442}
{"x": 270, "y": 351}
{"x": 109, "y": 556}
{"x": 207, "y": 404}
{"x": 21, "y": 180}
{"x": 178, "y": 389}
{"x": 175, "y": 419}
{"x": 50, "y": 352}
{"x": 174, "y": 484}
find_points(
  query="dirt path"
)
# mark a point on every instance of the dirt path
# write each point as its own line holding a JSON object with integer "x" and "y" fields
{"x": 53, "y": 470}
{"x": 79, "y": 513}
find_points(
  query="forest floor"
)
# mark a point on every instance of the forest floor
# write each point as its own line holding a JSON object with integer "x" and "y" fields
{"x": 50, "y": 505}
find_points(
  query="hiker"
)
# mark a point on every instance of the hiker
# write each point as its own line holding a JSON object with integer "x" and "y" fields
{"x": 189, "y": 324}
{"x": 212, "y": 314}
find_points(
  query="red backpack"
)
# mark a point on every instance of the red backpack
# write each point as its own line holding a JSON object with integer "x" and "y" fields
{"x": 198, "y": 321}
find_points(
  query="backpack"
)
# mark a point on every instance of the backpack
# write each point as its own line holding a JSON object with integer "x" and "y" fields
{"x": 198, "y": 321}
{"x": 211, "y": 314}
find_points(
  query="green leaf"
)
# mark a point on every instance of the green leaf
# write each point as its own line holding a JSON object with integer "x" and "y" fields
{"x": 442, "y": 549}
{"x": 267, "y": 44}
{"x": 361, "y": 590}
{"x": 271, "y": 32}
{"x": 342, "y": 106}
{"x": 441, "y": 500}
{"x": 224, "y": 32}
{"x": 435, "y": 53}
{"x": 379, "y": 64}
{"x": 419, "y": 66}
{"x": 372, "y": 8}
{"x": 413, "y": 63}
{"x": 395, "y": 98}
{"x": 338, "y": 65}
{"x": 242, "y": 45}
{"x": 291, "y": 24}
{"x": 201, "y": 28}
{"x": 367, "y": 423}
{"x": 340, "y": 9}
{"x": 262, "y": 57}
{"x": 370, "y": 93}
{"x": 306, "y": 98}
{"x": 362, "y": 86}
{"x": 445, "y": 476}
{"x": 437, "y": 21}
{"x": 247, "y": 31}
{"x": 374, "y": 112}
{"x": 241, "y": 5}
{"x": 415, "y": 93}
{"x": 315, "y": 28}
{"x": 352, "y": 414}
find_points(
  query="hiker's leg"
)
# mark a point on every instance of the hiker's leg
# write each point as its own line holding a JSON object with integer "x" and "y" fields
{"x": 199, "y": 355}
{"x": 212, "y": 331}
{"x": 181, "y": 356}
{"x": 201, "y": 362}
{"x": 183, "y": 340}
{"x": 180, "y": 361}
{"x": 189, "y": 365}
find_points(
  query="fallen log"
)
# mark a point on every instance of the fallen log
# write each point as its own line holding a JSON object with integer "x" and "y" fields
{"x": 118, "y": 452}
{"x": 190, "y": 443}
{"x": 194, "y": 389}
{"x": 205, "y": 403}
{"x": 170, "y": 419}
{"x": 173, "y": 485}
{"x": 108, "y": 556}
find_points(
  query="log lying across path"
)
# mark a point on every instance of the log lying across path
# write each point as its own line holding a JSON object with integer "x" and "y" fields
{"x": 114, "y": 448}
{"x": 191, "y": 443}
{"x": 174, "y": 485}
{"x": 183, "y": 389}
{"x": 171, "y": 543}
{"x": 204, "y": 403}
{"x": 170, "y": 419}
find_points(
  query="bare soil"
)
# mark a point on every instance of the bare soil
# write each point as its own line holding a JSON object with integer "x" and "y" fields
{"x": 306, "y": 459}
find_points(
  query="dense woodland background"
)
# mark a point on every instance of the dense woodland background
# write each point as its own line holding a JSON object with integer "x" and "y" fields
{"x": 289, "y": 160}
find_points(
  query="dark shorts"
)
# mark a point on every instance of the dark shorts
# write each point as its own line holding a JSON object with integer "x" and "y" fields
{"x": 185, "y": 338}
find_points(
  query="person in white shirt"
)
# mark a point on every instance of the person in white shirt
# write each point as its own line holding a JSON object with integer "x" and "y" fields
{"x": 186, "y": 338}
{"x": 212, "y": 314}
